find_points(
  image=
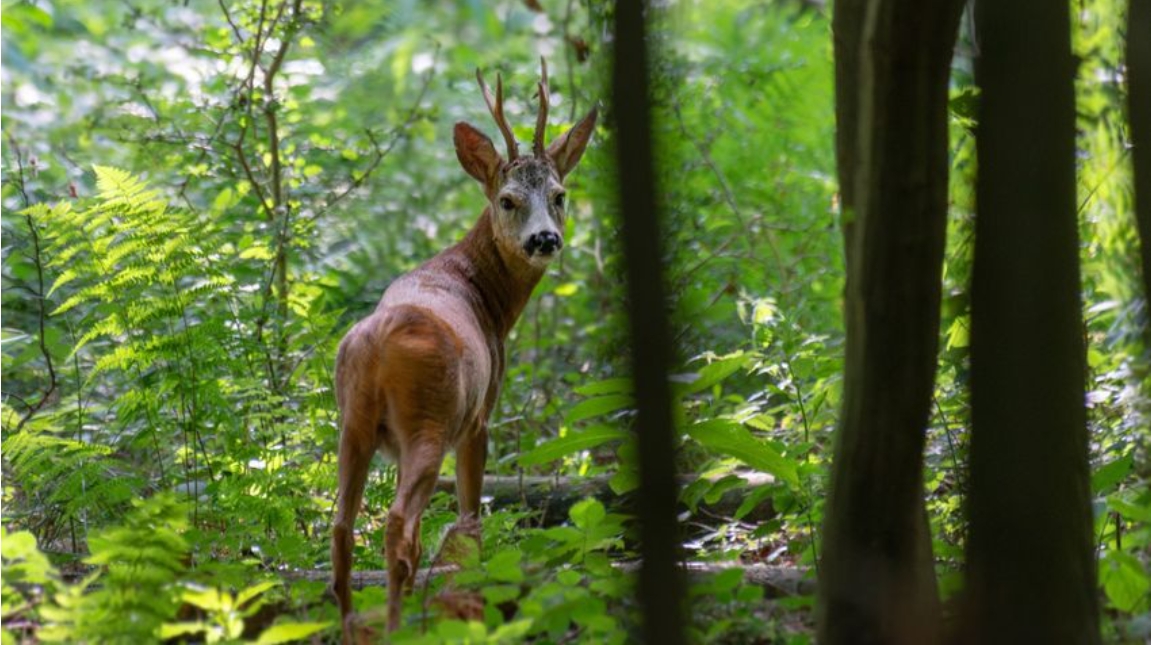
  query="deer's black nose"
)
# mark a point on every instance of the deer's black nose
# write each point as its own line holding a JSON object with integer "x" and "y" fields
{"x": 543, "y": 243}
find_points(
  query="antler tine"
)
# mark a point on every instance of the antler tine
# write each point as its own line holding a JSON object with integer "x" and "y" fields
{"x": 496, "y": 107}
{"x": 542, "y": 119}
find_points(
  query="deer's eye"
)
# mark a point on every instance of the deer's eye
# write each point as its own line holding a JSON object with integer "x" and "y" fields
{"x": 507, "y": 204}
{"x": 559, "y": 200}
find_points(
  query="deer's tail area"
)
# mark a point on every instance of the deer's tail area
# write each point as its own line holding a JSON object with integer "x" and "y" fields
{"x": 400, "y": 365}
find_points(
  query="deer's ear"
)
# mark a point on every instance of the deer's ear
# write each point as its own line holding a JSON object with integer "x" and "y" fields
{"x": 565, "y": 152}
{"x": 477, "y": 154}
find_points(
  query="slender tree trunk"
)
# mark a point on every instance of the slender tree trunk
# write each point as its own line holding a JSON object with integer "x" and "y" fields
{"x": 1030, "y": 565}
{"x": 1139, "y": 116}
{"x": 660, "y": 580}
{"x": 877, "y": 584}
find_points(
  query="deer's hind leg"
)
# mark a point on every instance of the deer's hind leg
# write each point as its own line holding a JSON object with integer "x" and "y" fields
{"x": 357, "y": 444}
{"x": 420, "y": 460}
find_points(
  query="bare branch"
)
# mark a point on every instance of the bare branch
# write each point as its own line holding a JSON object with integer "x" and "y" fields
{"x": 380, "y": 152}
{"x": 41, "y": 307}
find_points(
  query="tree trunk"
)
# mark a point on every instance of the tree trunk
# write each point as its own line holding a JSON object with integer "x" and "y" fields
{"x": 660, "y": 586}
{"x": 1139, "y": 117}
{"x": 847, "y": 32}
{"x": 1030, "y": 564}
{"x": 877, "y": 584}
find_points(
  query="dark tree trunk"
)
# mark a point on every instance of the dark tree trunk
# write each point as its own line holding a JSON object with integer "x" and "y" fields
{"x": 876, "y": 579}
{"x": 847, "y": 31}
{"x": 660, "y": 580}
{"x": 1030, "y": 564}
{"x": 1139, "y": 117}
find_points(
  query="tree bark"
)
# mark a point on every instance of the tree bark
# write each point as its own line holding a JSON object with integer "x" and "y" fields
{"x": 877, "y": 584}
{"x": 1030, "y": 564}
{"x": 847, "y": 32}
{"x": 661, "y": 586}
{"x": 1139, "y": 117}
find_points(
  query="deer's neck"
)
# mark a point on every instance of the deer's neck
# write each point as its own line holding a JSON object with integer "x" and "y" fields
{"x": 502, "y": 283}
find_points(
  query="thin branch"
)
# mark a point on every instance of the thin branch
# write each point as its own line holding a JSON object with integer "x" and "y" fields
{"x": 231, "y": 23}
{"x": 395, "y": 135}
{"x": 729, "y": 199}
{"x": 238, "y": 146}
{"x": 41, "y": 308}
{"x": 20, "y": 184}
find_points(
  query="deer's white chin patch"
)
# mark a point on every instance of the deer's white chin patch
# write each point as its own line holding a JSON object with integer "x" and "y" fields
{"x": 541, "y": 261}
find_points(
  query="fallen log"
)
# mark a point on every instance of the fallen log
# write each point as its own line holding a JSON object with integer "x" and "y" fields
{"x": 552, "y": 497}
{"x": 777, "y": 581}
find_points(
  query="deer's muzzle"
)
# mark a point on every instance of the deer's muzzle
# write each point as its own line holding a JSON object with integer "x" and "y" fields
{"x": 543, "y": 243}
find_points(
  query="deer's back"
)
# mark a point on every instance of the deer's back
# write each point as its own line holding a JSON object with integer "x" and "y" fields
{"x": 420, "y": 360}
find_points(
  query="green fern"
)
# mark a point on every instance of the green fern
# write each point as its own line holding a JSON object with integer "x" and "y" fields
{"x": 134, "y": 588}
{"x": 142, "y": 296}
{"x": 176, "y": 374}
{"x": 68, "y": 477}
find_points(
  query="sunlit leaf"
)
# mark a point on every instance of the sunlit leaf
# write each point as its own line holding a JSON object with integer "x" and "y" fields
{"x": 732, "y": 439}
{"x": 569, "y": 444}
{"x": 289, "y": 632}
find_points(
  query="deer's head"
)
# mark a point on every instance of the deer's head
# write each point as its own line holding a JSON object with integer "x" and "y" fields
{"x": 525, "y": 193}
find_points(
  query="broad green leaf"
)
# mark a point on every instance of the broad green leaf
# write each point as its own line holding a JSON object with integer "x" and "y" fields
{"x": 713, "y": 373}
{"x": 505, "y": 566}
{"x": 619, "y": 385}
{"x": 173, "y": 630}
{"x": 1130, "y": 511}
{"x": 752, "y": 499}
{"x": 1108, "y": 475}
{"x": 732, "y": 439}
{"x": 288, "y": 632}
{"x": 224, "y": 200}
{"x": 727, "y": 580}
{"x": 588, "y": 513}
{"x": 255, "y": 590}
{"x": 257, "y": 252}
{"x": 569, "y": 444}
{"x": 498, "y": 594}
{"x": 625, "y": 480}
{"x": 512, "y": 632}
{"x": 209, "y": 599}
{"x": 958, "y": 334}
{"x": 598, "y": 406}
{"x": 459, "y": 631}
{"x": 569, "y": 577}
{"x": 1124, "y": 580}
{"x": 717, "y": 489}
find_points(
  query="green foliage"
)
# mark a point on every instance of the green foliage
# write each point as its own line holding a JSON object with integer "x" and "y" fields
{"x": 199, "y": 198}
{"x": 66, "y": 477}
{"x": 225, "y": 613}
{"x": 134, "y": 587}
{"x": 28, "y": 575}
{"x": 730, "y": 438}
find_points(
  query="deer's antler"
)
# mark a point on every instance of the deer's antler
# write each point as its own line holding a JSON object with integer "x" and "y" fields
{"x": 496, "y": 107}
{"x": 542, "y": 119}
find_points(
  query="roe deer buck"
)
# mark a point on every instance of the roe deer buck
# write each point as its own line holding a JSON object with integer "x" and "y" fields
{"x": 421, "y": 374}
